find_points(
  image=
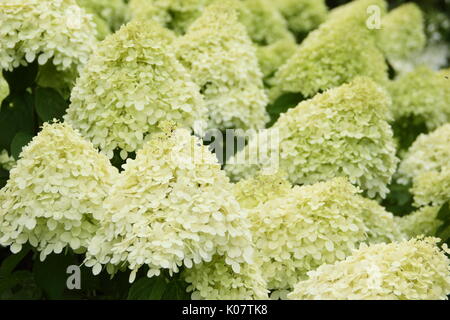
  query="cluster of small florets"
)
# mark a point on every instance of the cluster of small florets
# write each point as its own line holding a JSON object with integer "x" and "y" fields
{"x": 296, "y": 230}
{"x": 342, "y": 132}
{"x": 422, "y": 94}
{"x": 176, "y": 15}
{"x": 274, "y": 55}
{"x": 127, "y": 89}
{"x": 113, "y": 12}
{"x": 423, "y": 221}
{"x": 181, "y": 212}
{"x": 402, "y": 33}
{"x": 216, "y": 280}
{"x": 302, "y": 16}
{"x": 58, "y": 31}
{"x": 427, "y": 165}
{"x": 53, "y": 198}
{"x": 411, "y": 270}
{"x": 322, "y": 62}
{"x": 222, "y": 61}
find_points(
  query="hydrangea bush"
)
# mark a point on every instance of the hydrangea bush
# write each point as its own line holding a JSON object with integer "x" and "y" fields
{"x": 225, "y": 149}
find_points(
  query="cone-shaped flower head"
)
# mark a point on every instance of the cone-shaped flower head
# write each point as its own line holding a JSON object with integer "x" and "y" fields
{"x": 171, "y": 206}
{"x": 402, "y": 34}
{"x": 424, "y": 221}
{"x": 47, "y": 30}
{"x": 322, "y": 61}
{"x": 222, "y": 60}
{"x": 264, "y": 23}
{"x": 296, "y": 230}
{"x": 130, "y": 84}
{"x": 54, "y": 196}
{"x": 302, "y": 15}
{"x": 273, "y": 56}
{"x": 411, "y": 270}
{"x": 176, "y": 15}
{"x": 342, "y": 132}
{"x": 427, "y": 164}
{"x": 424, "y": 95}
{"x": 113, "y": 12}
{"x": 216, "y": 280}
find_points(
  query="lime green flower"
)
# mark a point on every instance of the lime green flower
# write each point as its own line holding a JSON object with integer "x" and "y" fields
{"x": 302, "y": 15}
{"x": 342, "y": 132}
{"x": 427, "y": 165}
{"x": 410, "y": 270}
{"x": 216, "y": 280}
{"x": 273, "y": 56}
{"x": 421, "y": 222}
{"x": 55, "y": 193}
{"x": 45, "y": 30}
{"x": 424, "y": 95}
{"x": 402, "y": 34}
{"x": 133, "y": 82}
{"x": 222, "y": 60}
{"x": 322, "y": 61}
{"x": 112, "y": 12}
{"x": 297, "y": 229}
{"x": 172, "y": 206}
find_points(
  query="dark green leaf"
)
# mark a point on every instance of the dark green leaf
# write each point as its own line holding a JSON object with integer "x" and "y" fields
{"x": 51, "y": 275}
{"x": 21, "y": 78}
{"x": 49, "y": 104}
{"x": 282, "y": 104}
{"x": 11, "y": 262}
{"x": 20, "y": 140}
{"x": 443, "y": 231}
{"x": 148, "y": 289}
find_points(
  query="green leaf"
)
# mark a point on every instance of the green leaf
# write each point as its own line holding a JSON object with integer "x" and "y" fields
{"x": 148, "y": 289}
{"x": 21, "y": 78}
{"x": 49, "y": 104}
{"x": 11, "y": 262}
{"x": 283, "y": 104}
{"x": 51, "y": 275}
{"x": 16, "y": 114}
{"x": 443, "y": 231}
{"x": 20, "y": 140}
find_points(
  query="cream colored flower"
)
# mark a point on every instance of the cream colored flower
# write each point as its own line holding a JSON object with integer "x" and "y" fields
{"x": 411, "y": 270}
{"x": 56, "y": 31}
{"x": 54, "y": 196}
{"x": 342, "y": 132}
{"x": 172, "y": 206}
{"x": 133, "y": 82}
{"x": 222, "y": 61}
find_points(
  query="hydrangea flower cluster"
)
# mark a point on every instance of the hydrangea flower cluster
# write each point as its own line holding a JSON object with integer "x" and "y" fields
{"x": 273, "y": 56}
{"x": 302, "y": 15}
{"x": 6, "y": 161}
{"x": 342, "y": 132}
{"x": 422, "y": 94}
{"x": 112, "y": 12}
{"x": 426, "y": 164}
{"x": 216, "y": 280}
{"x": 322, "y": 62}
{"x": 410, "y": 270}
{"x": 421, "y": 222}
{"x": 402, "y": 34}
{"x": 45, "y": 30}
{"x": 171, "y": 206}
{"x": 54, "y": 196}
{"x": 127, "y": 89}
{"x": 297, "y": 229}
{"x": 222, "y": 61}
{"x": 264, "y": 23}
{"x": 176, "y": 15}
